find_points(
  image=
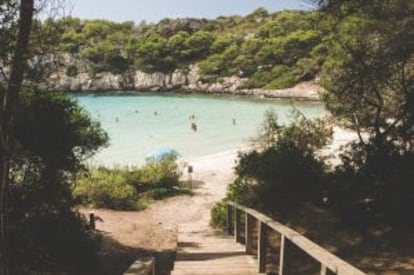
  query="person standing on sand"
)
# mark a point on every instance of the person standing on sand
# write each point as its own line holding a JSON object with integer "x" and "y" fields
{"x": 194, "y": 126}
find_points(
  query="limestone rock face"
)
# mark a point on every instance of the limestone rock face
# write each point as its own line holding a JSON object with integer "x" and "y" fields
{"x": 83, "y": 82}
{"x": 178, "y": 79}
{"x": 189, "y": 80}
{"x": 144, "y": 80}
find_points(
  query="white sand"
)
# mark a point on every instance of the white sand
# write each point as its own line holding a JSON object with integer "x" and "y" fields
{"x": 340, "y": 138}
{"x": 156, "y": 227}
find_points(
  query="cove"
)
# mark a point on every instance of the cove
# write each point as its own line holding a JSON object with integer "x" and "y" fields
{"x": 141, "y": 122}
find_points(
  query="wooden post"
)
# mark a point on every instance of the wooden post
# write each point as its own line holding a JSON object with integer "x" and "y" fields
{"x": 153, "y": 267}
{"x": 282, "y": 255}
{"x": 262, "y": 249}
{"x": 323, "y": 269}
{"x": 229, "y": 219}
{"x": 248, "y": 233}
{"x": 92, "y": 220}
{"x": 190, "y": 178}
{"x": 237, "y": 225}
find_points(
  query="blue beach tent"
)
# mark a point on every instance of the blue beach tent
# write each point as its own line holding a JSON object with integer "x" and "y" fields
{"x": 162, "y": 154}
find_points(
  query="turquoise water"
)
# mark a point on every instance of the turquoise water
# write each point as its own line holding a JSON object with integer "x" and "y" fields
{"x": 139, "y": 123}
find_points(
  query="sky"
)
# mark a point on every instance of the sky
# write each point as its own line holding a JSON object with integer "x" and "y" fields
{"x": 155, "y": 10}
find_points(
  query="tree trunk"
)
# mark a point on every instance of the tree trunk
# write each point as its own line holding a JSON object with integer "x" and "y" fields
{"x": 7, "y": 111}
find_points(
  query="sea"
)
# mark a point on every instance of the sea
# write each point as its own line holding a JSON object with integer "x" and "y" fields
{"x": 192, "y": 124}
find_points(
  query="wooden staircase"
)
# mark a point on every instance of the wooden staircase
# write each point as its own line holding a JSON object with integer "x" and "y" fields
{"x": 211, "y": 252}
{"x": 208, "y": 252}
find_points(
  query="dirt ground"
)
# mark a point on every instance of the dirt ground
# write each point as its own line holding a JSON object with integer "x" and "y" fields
{"x": 153, "y": 231}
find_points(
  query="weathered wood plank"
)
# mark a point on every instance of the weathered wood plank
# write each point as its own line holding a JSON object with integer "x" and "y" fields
{"x": 142, "y": 266}
{"x": 237, "y": 225}
{"x": 208, "y": 253}
{"x": 229, "y": 219}
{"x": 323, "y": 256}
{"x": 262, "y": 254}
{"x": 282, "y": 255}
{"x": 248, "y": 233}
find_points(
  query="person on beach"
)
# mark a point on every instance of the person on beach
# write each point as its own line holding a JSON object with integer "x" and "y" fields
{"x": 193, "y": 126}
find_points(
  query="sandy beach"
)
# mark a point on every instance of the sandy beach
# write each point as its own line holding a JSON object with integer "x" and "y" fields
{"x": 211, "y": 175}
{"x": 159, "y": 223}
{"x": 155, "y": 229}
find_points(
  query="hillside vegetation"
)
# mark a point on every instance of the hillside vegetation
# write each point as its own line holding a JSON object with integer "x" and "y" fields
{"x": 272, "y": 50}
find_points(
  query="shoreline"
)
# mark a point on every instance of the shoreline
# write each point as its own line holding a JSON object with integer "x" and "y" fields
{"x": 246, "y": 94}
{"x": 185, "y": 83}
{"x": 222, "y": 159}
{"x": 279, "y": 94}
{"x": 340, "y": 138}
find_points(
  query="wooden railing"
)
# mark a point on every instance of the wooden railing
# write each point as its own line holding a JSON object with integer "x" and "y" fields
{"x": 142, "y": 266}
{"x": 328, "y": 262}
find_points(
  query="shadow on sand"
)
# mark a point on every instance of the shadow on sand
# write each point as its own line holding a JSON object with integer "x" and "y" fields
{"x": 115, "y": 258}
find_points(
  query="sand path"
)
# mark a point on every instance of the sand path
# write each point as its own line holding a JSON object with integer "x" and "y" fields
{"x": 156, "y": 227}
{"x": 155, "y": 230}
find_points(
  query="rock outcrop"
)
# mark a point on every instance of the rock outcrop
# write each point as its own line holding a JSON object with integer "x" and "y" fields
{"x": 190, "y": 81}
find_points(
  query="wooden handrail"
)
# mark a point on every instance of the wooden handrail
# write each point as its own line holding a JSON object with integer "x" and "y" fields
{"x": 142, "y": 266}
{"x": 327, "y": 260}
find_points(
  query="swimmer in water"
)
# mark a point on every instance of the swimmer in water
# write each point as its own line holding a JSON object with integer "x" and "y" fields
{"x": 234, "y": 122}
{"x": 193, "y": 126}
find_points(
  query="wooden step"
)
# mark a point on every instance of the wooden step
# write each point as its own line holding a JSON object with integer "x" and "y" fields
{"x": 209, "y": 253}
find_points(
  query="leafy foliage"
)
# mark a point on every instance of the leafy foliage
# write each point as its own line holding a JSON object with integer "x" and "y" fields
{"x": 255, "y": 46}
{"x": 123, "y": 188}
{"x": 307, "y": 135}
{"x": 370, "y": 76}
{"x": 106, "y": 188}
{"x": 53, "y": 136}
{"x": 373, "y": 185}
{"x": 285, "y": 174}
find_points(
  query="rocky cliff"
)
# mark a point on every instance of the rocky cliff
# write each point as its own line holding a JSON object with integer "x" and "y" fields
{"x": 190, "y": 81}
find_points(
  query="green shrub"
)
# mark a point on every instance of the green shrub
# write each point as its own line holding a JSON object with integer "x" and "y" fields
{"x": 71, "y": 71}
{"x": 218, "y": 214}
{"x": 156, "y": 174}
{"x": 162, "y": 192}
{"x": 53, "y": 235}
{"x": 124, "y": 188}
{"x": 94, "y": 69}
{"x": 284, "y": 174}
{"x": 286, "y": 80}
{"x": 106, "y": 188}
{"x": 373, "y": 185}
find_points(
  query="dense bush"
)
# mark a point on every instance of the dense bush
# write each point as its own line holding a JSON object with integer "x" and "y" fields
{"x": 373, "y": 185}
{"x": 285, "y": 173}
{"x": 255, "y": 46}
{"x": 53, "y": 136}
{"x": 53, "y": 237}
{"x": 71, "y": 70}
{"x": 156, "y": 174}
{"x": 106, "y": 188}
{"x": 123, "y": 188}
{"x": 370, "y": 81}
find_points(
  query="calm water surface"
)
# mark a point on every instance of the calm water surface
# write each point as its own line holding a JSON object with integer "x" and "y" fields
{"x": 140, "y": 123}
